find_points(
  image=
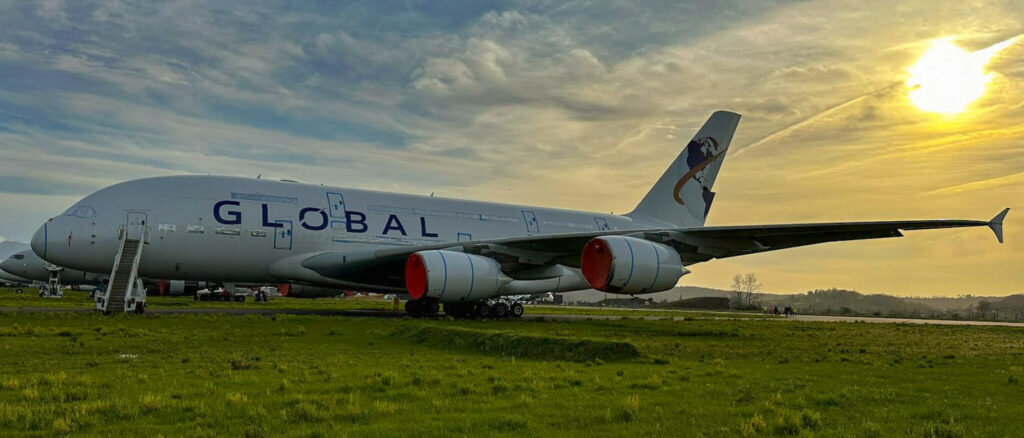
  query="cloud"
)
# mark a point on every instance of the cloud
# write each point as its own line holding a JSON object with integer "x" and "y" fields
{"x": 53, "y": 10}
{"x": 503, "y": 20}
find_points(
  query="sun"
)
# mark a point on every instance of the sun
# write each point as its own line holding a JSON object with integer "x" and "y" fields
{"x": 946, "y": 79}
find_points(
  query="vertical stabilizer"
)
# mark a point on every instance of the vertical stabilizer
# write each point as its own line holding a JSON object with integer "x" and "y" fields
{"x": 996, "y": 224}
{"x": 682, "y": 196}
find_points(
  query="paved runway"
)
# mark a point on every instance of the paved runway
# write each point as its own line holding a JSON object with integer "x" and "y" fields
{"x": 528, "y": 315}
{"x": 903, "y": 320}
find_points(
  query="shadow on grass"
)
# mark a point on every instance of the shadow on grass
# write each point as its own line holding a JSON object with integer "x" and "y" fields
{"x": 508, "y": 343}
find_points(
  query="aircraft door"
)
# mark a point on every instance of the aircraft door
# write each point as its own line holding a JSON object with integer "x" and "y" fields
{"x": 532, "y": 226}
{"x": 135, "y": 225}
{"x": 336, "y": 208}
{"x": 465, "y": 237}
{"x": 136, "y": 218}
{"x": 283, "y": 235}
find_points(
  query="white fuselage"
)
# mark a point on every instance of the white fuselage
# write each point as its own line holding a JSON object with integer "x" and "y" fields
{"x": 27, "y": 265}
{"x": 246, "y": 230}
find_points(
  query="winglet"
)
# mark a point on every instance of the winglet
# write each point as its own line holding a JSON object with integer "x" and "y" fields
{"x": 996, "y": 224}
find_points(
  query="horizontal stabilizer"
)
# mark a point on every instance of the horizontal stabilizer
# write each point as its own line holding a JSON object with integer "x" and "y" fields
{"x": 996, "y": 224}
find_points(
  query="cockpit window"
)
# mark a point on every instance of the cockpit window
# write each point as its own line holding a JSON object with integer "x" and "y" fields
{"x": 18, "y": 257}
{"x": 80, "y": 211}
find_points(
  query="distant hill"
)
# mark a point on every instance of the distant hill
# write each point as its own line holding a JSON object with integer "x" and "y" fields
{"x": 1011, "y": 302}
{"x": 843, "y": 301}
{"x": 675, "y": 294}
{"x": 717, "y": 303}
{"x": 714, "y": 303}
{"x": 1011, "y": 307}
{"x": 834, "y": 301}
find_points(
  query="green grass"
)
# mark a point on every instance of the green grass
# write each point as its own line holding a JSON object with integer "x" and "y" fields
{"x": 292, "y": 375}
{"x": 80, "y": 300}
{"x": 511, "y": 343}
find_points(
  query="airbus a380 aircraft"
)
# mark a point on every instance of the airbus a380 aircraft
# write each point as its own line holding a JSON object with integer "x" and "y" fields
{"x": 26, "y": 264}
{"x": 460, "y": 253}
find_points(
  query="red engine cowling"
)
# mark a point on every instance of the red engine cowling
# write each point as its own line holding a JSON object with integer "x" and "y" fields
{"x": 627, "y": 265}
{"x": 451, "y": 276}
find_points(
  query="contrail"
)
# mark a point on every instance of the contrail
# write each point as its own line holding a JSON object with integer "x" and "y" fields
{"x": 981, "y": 184}
{"x": 986, "y": 52}
{"x": 810, "y": 119}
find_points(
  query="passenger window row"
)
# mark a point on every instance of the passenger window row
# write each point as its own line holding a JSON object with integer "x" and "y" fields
{"x": 199, "y": 229}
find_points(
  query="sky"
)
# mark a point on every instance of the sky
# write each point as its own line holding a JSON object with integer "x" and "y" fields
{"x": 564, "y": 104}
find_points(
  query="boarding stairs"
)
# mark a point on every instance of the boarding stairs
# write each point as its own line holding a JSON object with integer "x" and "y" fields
{"x": 125, "y": 291}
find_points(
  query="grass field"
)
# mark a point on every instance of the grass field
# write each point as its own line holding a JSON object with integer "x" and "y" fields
{"x": 297, "y": 375}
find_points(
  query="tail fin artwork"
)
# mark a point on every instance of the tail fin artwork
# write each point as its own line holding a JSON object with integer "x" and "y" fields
{"x": 683, "y": 196}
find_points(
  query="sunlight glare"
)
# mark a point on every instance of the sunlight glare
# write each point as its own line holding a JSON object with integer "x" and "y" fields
{"x": 946, "y": 79}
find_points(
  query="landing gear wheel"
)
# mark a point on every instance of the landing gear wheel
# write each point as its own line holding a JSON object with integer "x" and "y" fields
{"x": 140, "y": 308}
{"x": 452, "y": 309}
{"x": 483, "y": 310}
{"x": 412, "y": 307}
{"x": 500, "y": 310}
{"x": 18, "y": 291}
{"x": 432, "y": 308}
{"x": 516, "y": 311}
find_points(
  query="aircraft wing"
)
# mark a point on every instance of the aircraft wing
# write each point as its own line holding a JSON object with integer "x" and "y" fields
{"x": 693, "y": 244}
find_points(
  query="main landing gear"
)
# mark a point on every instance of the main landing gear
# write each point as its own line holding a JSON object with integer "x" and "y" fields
{"x": 422, "y": 307}
{"x": 492, "y": 308}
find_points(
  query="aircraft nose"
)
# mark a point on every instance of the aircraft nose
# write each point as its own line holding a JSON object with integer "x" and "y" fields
{"x": 39, "y": 241}
{"x": 7, "y": 266}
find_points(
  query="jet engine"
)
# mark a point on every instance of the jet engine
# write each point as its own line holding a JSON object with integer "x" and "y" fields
{"x": 178, "y": 287}
{"x": 450, "y": 276}
{"x": 628, "y": 265}
{"x": 171, "y": 287}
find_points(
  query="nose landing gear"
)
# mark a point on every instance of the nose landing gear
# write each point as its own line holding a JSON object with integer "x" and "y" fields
{"x": 53, "y": 288}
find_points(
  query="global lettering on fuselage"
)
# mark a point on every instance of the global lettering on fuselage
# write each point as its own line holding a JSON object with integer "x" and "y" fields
{"x": 229, "y": 212}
